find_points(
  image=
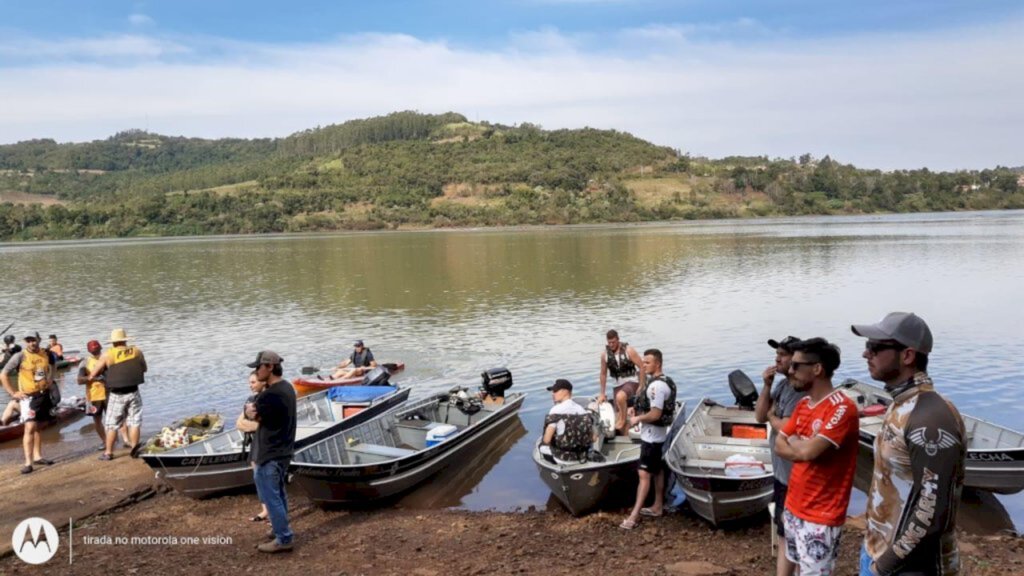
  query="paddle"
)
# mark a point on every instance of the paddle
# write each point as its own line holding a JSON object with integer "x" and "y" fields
{"x": 6, "y": 329}
{"x": 306, "y": 370}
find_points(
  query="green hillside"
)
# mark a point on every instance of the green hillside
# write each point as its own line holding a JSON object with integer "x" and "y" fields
{"x": 419, "y": 170}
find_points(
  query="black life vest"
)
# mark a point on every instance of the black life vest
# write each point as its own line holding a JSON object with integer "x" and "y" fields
{"x": 125, "y": 368}
{"x": 619, "y": 364}
{"x": 361, "y": 360}
{"x": 642, "y": 404}
{"x": 576, "y": 438}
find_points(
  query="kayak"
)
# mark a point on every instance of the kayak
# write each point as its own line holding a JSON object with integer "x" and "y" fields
{"x": 376, "y": 377}
{"x": 67, "y": 410}
{"x": 68, "y": 362}
{"x": 184, "y": 432}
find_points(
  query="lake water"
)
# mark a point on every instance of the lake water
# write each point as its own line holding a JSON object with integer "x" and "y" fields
{"x": 451, "y": 304}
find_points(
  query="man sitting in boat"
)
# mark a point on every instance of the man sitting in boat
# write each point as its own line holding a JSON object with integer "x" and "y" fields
{"x": 55, "y": 347}
{"x": 361, "y": 360}
{"x": 568, "y": 427}
{"x": 620, "y": 360}
{"x": 11, "y": 413}
{"x": 10, "y": 349}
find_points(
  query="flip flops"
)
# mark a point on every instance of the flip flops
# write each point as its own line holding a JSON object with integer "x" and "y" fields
{"x": 43, "y": 462}
{"x": 105, "y": 457}
{"x": 628, "y": 524}
{"x": 651, "y": 513}
{"x": 26, "y": 469}
{"x": 135, "y": 450}
{"x": 258, "y": 518}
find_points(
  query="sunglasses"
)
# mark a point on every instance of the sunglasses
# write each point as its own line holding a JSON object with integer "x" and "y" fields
{"x": 796, "y": 365}
{"x": 875, "y": 347}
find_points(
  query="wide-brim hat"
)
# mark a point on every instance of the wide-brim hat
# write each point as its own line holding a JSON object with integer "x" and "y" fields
{"x": 118, "y": 335}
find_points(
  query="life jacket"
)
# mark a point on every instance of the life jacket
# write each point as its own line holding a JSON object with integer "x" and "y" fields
{"x": 34, "y": 372}
{"x": 125, "y": 368}
{"x": 58, "y": 351}
{"x": 361, "y": 360}
{"x": 576, "y": 438}
{"x": 642, "y": 404}
{"x": 619, "y": 364}
{"x": 95, "y": 390}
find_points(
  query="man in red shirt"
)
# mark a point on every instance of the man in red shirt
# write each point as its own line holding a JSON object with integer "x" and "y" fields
{"x": 821, "y": 438}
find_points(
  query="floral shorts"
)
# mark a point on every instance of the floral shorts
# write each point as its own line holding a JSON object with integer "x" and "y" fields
{"x": 813, "y": 547}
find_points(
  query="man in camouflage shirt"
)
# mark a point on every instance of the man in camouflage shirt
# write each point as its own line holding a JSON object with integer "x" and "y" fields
{"x": 919, "y": 458}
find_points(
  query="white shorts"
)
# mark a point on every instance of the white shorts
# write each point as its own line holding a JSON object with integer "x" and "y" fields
{"x": 813, "y": 547}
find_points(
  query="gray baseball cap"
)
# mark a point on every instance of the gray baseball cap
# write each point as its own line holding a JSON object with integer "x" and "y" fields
{"x": 266, "y": 357}
{"x": 904, "y": 327}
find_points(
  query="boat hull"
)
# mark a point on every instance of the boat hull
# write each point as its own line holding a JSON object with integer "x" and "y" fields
{"x": 719, "y": 500}
{"x": 205, "y": 475}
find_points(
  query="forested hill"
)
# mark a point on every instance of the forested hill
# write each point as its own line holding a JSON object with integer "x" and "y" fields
{"x": 414, "y": 170}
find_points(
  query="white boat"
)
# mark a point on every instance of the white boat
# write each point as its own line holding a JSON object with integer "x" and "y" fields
{"x": 698, "y": 456}
{"x": 582, "y": 486}
{"x": 995, "y": 454}
{"x": 221, "y": 462}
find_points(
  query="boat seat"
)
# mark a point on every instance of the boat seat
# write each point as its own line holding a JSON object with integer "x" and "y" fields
{"x": 417, "y": 424}
{"x": 381, "y": 450}
{"x": 727, "y": 441}
{"x": 693, "y": 462}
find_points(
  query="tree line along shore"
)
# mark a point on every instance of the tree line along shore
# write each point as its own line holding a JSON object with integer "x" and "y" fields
{"x": 412, "y": 170}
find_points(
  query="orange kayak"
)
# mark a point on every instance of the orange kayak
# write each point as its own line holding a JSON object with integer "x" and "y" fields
{"x": 377, "y": 376}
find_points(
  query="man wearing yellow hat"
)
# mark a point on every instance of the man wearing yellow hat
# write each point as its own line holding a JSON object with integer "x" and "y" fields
{"x": 125, "y": 369}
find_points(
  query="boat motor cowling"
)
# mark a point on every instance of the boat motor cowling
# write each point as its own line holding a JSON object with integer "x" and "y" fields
{"x": 743, "y": 389}
{"x": 378, "y": 376}
{"x": 496, "y": 381}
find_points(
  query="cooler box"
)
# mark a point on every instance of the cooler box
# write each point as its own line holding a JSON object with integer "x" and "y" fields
{"x": 439, "y": 434}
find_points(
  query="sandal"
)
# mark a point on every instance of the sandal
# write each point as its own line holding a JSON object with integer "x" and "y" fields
{"x": 43, "y": 462}
{"x": 258, "y": 518}
{"x": 136, "y": 449}
{"x": 628, "y": 524}
{"x": 106, "y": 457}
{"x": 651, "y": 513}
{"x": 27, "y": 469}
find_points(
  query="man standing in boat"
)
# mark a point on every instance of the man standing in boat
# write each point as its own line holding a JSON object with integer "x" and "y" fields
{"x": 35, "y": 368}
{"x": 621, "y": 361}
{"x": 821, "y": 438}
{"x": 274, "y": 409}
{"x": 775, "y": 405}
{"x": 361, "y": 360}
{"x": 654, "y": 409}
{"x": 124, "y": 369}
{"x": 919, "y": 457}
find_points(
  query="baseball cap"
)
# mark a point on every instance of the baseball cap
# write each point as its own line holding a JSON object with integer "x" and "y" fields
{"x": 786, "y": 343}
{"x": 93, "y": 346}
{"x": 265, "y": 357}
{"x": 32, "y": 336}
{"x": 358, "y": 343}
{"x": 560, "y": 384}
{"x": 904, "y": 327}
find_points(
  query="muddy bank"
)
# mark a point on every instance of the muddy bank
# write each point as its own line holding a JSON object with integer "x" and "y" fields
{"x": 176, "y": 535}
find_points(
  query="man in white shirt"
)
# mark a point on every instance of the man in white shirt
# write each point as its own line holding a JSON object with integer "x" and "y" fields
{"x": 568, "y": 427}
{"x": 654, "y": 410}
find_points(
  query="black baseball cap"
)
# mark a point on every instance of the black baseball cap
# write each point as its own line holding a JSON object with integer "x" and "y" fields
{"x": 265, "y": 357}
{"x": 560, "y": 384}
{"x": 786, "y": 343}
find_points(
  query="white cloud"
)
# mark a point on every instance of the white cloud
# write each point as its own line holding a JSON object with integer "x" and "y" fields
{"x": 140, "y": 20}
{"x": 104, "y": 49}
{"x": 945, "y": 100}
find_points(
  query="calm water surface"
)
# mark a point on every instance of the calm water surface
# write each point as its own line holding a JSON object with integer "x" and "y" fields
{"x": 451, "y": 304}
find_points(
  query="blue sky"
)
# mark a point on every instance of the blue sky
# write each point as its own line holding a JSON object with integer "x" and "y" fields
{"x": 884, "y": 84}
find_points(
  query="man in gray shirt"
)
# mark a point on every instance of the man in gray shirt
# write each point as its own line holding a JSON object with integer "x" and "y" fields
{"x": 775, "y": 405}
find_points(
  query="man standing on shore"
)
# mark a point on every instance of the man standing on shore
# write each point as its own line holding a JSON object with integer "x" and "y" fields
{"x": 655, "y": 407}
{"x": 274, "y": 409}
{"x": 35, "y": 368}
{"x": 621, "y": 361}
{"x": 821, "y": 438}
{"x": 919, "y": 457}
{"x": 775, "y": 405}
{"x": 124, "y": 368}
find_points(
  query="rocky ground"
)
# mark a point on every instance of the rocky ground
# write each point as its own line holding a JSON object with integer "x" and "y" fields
{"x": 170, "y": 532}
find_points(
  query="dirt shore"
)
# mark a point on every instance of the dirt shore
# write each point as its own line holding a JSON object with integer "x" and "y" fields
{"x": 176, "y": 535}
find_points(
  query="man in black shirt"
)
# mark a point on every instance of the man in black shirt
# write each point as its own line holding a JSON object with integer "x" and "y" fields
{"x": 274, "y": 409}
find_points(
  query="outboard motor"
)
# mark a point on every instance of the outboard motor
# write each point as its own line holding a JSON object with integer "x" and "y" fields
{"x": 496, "y": 381}
{"x": 379, "y": 376}
{"x": 743, "y": 389}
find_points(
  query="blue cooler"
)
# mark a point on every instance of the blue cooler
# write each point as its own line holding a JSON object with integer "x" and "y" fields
{"x": 439, "y": 434}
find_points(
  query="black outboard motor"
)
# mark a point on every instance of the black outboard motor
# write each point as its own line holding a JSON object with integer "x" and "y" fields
{"x": 379, "y": 376}
{"x": 743, "y": 389}
{"x": 496, "y": 381}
